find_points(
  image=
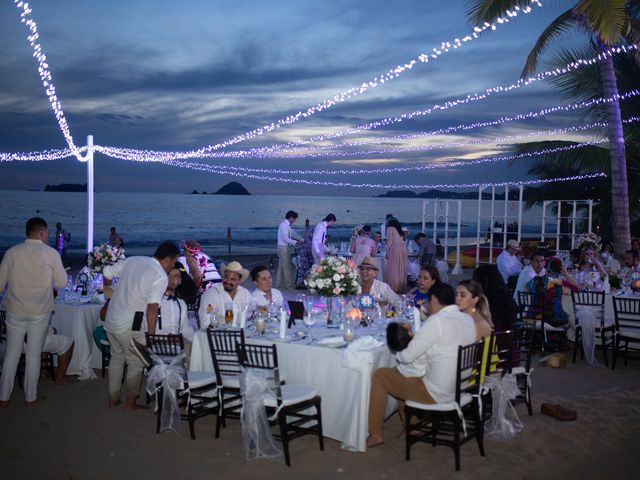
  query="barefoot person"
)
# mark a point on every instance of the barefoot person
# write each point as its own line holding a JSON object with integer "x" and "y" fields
{"x": 141, "y": 285}
{"x": 427, "y": 370}
{"x": 30, "y": 270}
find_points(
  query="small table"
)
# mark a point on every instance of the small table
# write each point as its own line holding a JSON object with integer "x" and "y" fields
{"x": 78, "y": 323}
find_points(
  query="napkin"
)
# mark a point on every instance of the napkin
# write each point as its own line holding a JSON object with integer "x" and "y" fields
{"x": 359, "y": 353}
{"x": 331, "y": 340}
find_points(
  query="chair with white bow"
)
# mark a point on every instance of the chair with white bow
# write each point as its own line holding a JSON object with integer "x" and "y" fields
{"x": 591, "y": 304}
{"x": 452, "y": 423}
{"x": 627, "y": 326}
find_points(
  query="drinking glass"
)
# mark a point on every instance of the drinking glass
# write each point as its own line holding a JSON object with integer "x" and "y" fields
{"x": 309, "y": 320}
{"x": 260, "y": 324}
{"x": 228, "y": 312}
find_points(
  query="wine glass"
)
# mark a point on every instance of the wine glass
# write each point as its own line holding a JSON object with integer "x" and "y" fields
{"x": 310, "y": 317}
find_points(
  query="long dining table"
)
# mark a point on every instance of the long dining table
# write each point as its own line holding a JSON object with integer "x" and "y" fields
{"x": 303, "y": 361}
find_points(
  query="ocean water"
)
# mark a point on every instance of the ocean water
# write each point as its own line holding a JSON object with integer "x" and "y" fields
{"x": 146, "y": 219}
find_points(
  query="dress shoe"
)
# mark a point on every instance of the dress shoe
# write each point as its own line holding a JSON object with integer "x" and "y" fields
{"x": 558, "y": 412}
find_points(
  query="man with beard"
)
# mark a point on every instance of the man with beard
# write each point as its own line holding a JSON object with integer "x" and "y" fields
{"x": 228, "y": 295}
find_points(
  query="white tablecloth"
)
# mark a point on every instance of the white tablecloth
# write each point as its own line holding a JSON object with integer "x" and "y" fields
{"x": 567, "y": 306}
{"x": 78, "y": 323}
{"x": 344, "y": 391}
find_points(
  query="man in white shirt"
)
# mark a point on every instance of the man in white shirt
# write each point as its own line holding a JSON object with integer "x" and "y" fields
{"x": 368, "y": 270}
{"x": 30, "y": 270}
{"x": 286, "y": 236}
{"x": 427, "y": 367}
{"x": 230, "y": 293}
{"x": 142, "y": 282}
{"x": 319, "y": 234}
{"x": 508, "y": 262}
{"x": 535, "y": 269}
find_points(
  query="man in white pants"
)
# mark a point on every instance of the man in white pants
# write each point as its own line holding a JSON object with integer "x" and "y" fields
{"x": 30, "y": 270}
{"x": 286, "y": 237}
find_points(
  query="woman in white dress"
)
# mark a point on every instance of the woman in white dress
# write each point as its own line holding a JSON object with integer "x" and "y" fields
{"x": 363, "y": 245}
{"x": 264, "y": 294}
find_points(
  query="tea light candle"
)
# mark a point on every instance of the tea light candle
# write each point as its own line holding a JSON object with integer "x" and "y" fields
{"x": 348, "y": 334}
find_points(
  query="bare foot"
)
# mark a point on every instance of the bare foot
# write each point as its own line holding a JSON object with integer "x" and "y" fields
{"x": 114, "y": 403}
{"x": 374, "y": 440}
{"x": 4, "y": 403}
{"x": 34, "y": 402}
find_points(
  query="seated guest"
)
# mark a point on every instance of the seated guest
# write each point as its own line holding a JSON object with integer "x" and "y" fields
{"x": 62, "y": 346}
{"x": 398, "y": 336}
{"x": 412, "y": 246}
{"x": 591, "y": 272}
{"x": 470, "y": 299}
{"x": 609, "y": 262}
{"x": 508, "y": 261}
{"x": 172, "y": 314}
{"x": 429, "y": 276}
{"x": 427, "y": 367}
{"x": 368, "y": 269}
{"x": 549, "y": 286}
{"x": 264, "y": 294}
{"x": 574, "y": 258}
{"x": 501, "y": 305}
{"x": 534, "y": 269}
{"x": 631, "y": 265}
{"x": 229, "y": 293}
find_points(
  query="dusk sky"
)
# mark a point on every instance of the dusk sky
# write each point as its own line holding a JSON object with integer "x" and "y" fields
{"x": 177, "y": 76}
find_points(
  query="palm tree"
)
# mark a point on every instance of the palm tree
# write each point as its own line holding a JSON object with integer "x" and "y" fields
{"x": 607, "y": 23}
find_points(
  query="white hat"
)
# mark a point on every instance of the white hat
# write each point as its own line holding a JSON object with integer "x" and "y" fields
{"x": 513, "y": 244}
{"x": 237, "y": 268}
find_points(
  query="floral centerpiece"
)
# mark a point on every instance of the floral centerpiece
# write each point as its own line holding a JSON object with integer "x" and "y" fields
{"x": 589, "y": 240}
{"x": 103, "y": 255}
{"x": 333, "y": 277}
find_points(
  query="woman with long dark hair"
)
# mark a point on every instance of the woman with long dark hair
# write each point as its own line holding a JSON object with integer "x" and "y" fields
{"x": 503, "y": 308}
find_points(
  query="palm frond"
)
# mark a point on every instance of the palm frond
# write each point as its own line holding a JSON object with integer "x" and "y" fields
{"x": 557, "y": 27}
{"x": 607, "y": 20}
{"x": 481, "y": 11}
{"x": 587, "y": 159}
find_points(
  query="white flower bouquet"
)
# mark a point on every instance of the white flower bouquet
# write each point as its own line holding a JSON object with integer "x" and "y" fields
{"x": 334, "y": 276}
{"x": 589, "y": 240}
{"x": 103, "y": 255}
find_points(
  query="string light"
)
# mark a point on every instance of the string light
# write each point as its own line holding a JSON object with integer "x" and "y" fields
{"x": 45, "y": 74}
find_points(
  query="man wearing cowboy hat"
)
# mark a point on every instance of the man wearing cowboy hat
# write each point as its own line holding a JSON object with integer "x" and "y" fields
{"x": 508, "y": 261}
{"x": 368, "y": 269}
{"x": 222, "y": 295}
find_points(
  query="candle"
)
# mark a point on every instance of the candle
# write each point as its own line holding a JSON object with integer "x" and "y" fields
{"x": 348, "y": 334}
{"x": 416, "y": 320}
{"x": 283, "y": 323}
{"x": 260, "y": 324}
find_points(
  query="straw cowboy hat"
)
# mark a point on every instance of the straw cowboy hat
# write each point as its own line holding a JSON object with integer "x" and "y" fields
{"x": 237, "y": 268}
{"x": 369, "y": 262}
{"x": 513, "y": 244}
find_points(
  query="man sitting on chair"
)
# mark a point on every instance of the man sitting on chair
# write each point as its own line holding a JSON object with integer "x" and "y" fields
{"x": 427, "y": 367}
{"x": 62, "y": 346}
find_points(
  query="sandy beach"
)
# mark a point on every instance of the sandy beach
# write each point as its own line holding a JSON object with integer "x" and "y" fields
{"x": 73, "y": 434}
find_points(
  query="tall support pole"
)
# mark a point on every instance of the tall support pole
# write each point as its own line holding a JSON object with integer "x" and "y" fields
{"x": 457, "y": 269}
{"x": 493, "y": 206}
{"x": 520, "y": 212}
{"x": 506, "y": 218}
{"x": 446, "y": 229}
{"x": 590, "y": 215}
{"x": 573, "y": 224}
{"x": 558, "y": 223}
{"x": 424, "y": 214}
{"x": 544, "y": 219}
{"x": 435, "y": 220}
{"x": 480, "y": 188}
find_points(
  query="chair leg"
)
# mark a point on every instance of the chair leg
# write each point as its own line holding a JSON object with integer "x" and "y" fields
{"x": 407, "y": 433}
{"x": 576, "y": 340}
{"x": 320, "y": 435}
{"x": 626, "y": 352}
{"x": 456, "y": 441}
{"x": 282, "y": 421}
{"x": 527, "y": 397}
{"x": 159, "y": 397}
{"x": 614, "y": 345}
{"x": 192, "y": 428}
{"x": 603, "y": 337}
{"x": 480, "y": 432}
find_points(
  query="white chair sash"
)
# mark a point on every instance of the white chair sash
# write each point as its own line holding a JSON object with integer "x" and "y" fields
{"x": 588, "y": 320}
{"x": 170, "y": 377}
{"x": 504, "y": 422}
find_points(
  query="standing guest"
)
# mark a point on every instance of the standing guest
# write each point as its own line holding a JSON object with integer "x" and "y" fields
{"x": 534, "y": 269}
{"x": 383, "y": 226}
{"x": 508, "y": 261}
{"x": 397, "y": 258}
{"x": 62, "y": 241}
{"x": 172, "y": 314}
{"x": 368, "y": 270}
{"x": 427, "y": 370}
{"x": 305, "y": 260}
{"x": 30, "y": 270}
{"x": 470, "y": 299}
{"x": 412, "y": 246}
{"x": 141, "y": 285}
{"x": 363, "y": 245}
{"x": 228, "y": 294}
{"x": 319, "y": 234}
{"x": 286, "y": 237}
{"x": 501, "y": 305}
{"x": 115, "y": 240}
{"x": 264, "y": 294}
{"x": 379, "y": 244}
{"x": 199, "y": 265}
{"x": 426, "y": 249}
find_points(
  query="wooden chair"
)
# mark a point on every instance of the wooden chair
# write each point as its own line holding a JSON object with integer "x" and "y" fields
{"x": 294, "y": 404}
{"x": 521, "y": 362}
{"x": 199, "y": 388}
{"x": 594, "y": 300}
{"x": 532, "y": 308}
{"x": 227, "y": 368}
{"x": 454, "y": 423}
{"x": 627, "y": 325}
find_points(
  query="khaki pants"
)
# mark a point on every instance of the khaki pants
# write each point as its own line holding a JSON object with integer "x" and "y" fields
{"x": 121, "y": 354}
{"x": 283, "y": 276}
{"x": 389, "y": 381}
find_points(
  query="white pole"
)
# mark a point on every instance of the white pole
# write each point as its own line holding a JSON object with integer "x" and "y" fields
{"x": 457, "y": 269}
{"x": 89, "y": 159}
{"x": 544, "y": 219}
{"x": 493, "y": 203}
{"x": 446, "y": 229}
{"x": 435, "y": 220}
{"x": 480, "y": 188}
{"x": 506, "y": 213}
{"x": 520, "y": 211}
{"x": 573, "y": 223}
{"x": 590, "y": 214}
{"x": 424, "y": 213}
{"x": 558, "y": 223}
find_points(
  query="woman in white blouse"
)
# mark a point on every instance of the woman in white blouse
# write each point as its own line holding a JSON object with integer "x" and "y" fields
{"x": 264, "y": 294}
